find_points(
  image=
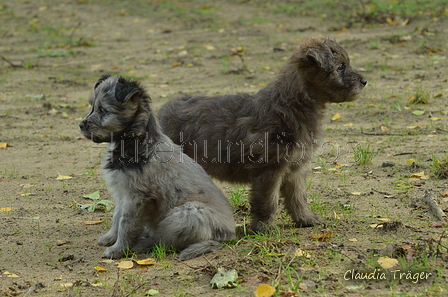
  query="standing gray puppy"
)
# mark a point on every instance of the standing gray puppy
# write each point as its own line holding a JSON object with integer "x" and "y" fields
{"x": 161, "y": 195}
{"x": 267, "y": 139}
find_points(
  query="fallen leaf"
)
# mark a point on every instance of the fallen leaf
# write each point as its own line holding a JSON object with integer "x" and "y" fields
{"x": 418, "y": 112}
{"x": 376, "y": 226}
{"x": 349, "y": 125}
{"x": 67, "y": 285}
{"x": 94, "y": 196}
{"x": 302, "y": 253}
{"x": 356, "y": 193}
{"x": 420, "y": 175}
{"x": 410, "y": 161}
{"x": 108, "y": 261}
{"x": 353, "y": 239}
{"x": 274, "y": 255}
{"x": 224, "y": 279}
{"x": 4, "y": 145}
{"x": 9, "y": 274}
{"x": 321, "y": 237}
{"x": 387, "y": 262}
{"x": 384, "y": 129}
{"x": 264, "y": 290}
{"x": 152, "y": 292}
{"x": 100, "y": 269}
{"x": 92, "y": 222}
{"x": 337, "y": 116}
{"x": 209, "y": 47}
{"x": 176, "y": 64}
{"x": 125, "y": 265}
{"x": 63, "y": 177}
{"x": 444, "y": 193}
{"x": 435, "y": 119}
{"x": 146, "y": 262}
{"x": 6, "y": 209}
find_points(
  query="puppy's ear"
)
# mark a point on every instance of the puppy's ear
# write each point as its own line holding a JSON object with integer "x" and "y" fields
{"x": 102, "y": 78}
{"x": 321, "y": 57}
{"x": 127, "y": 91}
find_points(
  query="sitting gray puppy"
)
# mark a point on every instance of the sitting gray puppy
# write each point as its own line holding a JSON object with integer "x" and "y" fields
{"x": 162, "y": 196}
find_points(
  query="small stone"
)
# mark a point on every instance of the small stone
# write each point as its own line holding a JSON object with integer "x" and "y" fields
{"x": 388, "y": 164}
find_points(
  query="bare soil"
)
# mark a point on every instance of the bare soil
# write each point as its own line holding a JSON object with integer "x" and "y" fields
{"x": 54, "y": 51}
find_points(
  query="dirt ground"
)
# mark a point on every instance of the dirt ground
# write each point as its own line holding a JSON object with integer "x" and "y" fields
{"x": 54, "y": 51}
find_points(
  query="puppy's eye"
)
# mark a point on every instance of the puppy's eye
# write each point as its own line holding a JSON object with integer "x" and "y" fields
{"x": 341, "y": 67}
{"x": 102, "y": 110}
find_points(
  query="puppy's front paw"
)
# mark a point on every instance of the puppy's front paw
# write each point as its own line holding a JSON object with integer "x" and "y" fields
{"x": 308, "y": 221}
{"x": 113, "y": 253}
{"x": 107, "y": 239}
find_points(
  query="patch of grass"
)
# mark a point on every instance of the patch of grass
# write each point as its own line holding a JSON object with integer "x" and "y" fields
{"x": 363, "y": 155}
{"x": 439, "y": 167}
{"x": 420, "y": 97}
{"x": 238, "y": 197}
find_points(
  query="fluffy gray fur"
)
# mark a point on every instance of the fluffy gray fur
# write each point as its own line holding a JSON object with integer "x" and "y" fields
{"x": 267, "y": 139}
{"x": 162, "y": 196}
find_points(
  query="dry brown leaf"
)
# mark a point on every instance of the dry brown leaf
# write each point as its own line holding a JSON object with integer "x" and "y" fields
{"x": 321, "y": 237}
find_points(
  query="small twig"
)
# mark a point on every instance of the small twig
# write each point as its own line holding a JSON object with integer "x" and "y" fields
{"x": 11, "y": 63}
{"x": 382, "y": 193}
{"x": 402, "y": 154}
{"x": 436, "y": 210}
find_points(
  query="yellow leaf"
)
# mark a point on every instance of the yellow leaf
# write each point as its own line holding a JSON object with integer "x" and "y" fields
{"x": 125, "y": 265}
{"x": 63, "y": 177}
{"x": 9, "y": 274}
{"x": 209, "y": 47}
{"x": 356, "y": 193}
{"x": 108, "y": 261}
{"x": 6, "y": 209}
{"x": 264, "y": 291}
{"x": 100, "y": 269}
{"x": 274, "y": 255}
{"x": 435, "y": 119}
{"x": 92, "y": 222}
{"x": 4, "y": 145}
{"x": 145, "y": 262}
{"x": 176, "y": 64}
{"x": 349, "y": 125}
{"x": 353, "y": 240}
{"x": 387, "y": 262}
{"x": 67, "y": 285}
{"x": 376, "y": 226}
{"x": 302, "y": 253}
{"x": 336, "y": 117}
{"x": 336, "y": 216}
{"x": 371, "y": 105}
{"x": 410, "y": 161}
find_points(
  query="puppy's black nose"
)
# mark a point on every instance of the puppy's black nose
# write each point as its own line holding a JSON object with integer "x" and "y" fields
{"x": 82, "y": 125}
{"x": 364, "y": 81}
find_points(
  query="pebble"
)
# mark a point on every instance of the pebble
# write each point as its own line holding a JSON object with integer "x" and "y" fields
{"x": 388, "y": 164}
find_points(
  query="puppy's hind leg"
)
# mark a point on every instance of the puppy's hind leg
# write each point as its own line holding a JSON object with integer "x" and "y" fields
{"x": 294, "y": 191}
{"x": 196, "y": 229}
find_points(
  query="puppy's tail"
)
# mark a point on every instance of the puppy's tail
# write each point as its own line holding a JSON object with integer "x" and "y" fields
{"x": 199, "y": 249}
